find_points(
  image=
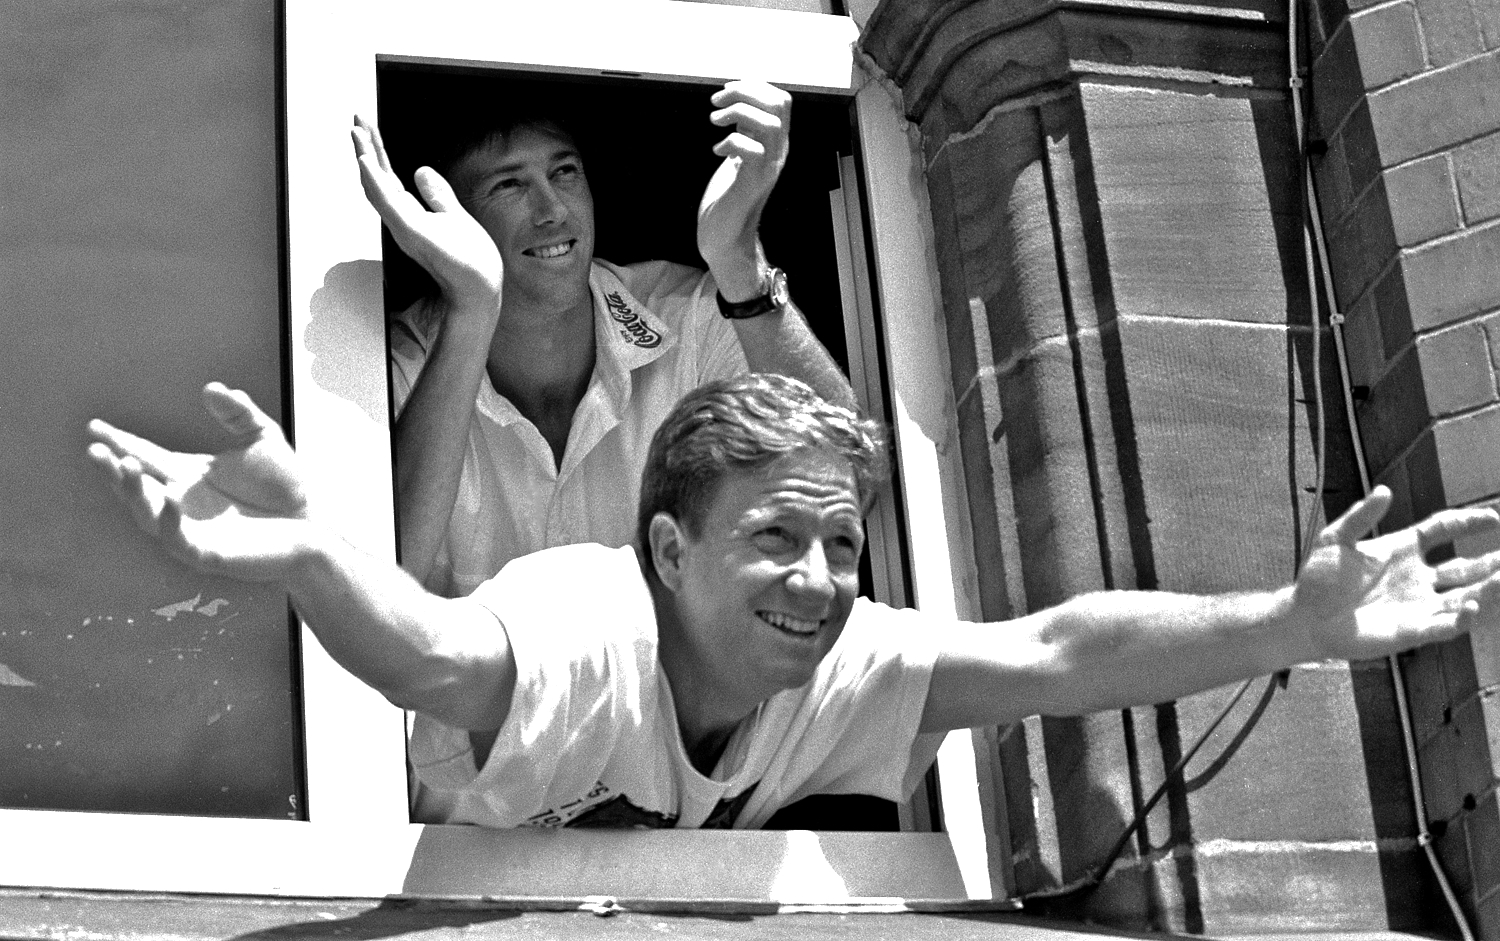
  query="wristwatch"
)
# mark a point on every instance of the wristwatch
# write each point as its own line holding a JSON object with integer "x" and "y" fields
{"x": 774, "y": 298}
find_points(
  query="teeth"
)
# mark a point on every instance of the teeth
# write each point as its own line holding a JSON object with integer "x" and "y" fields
{"x": 552, "y": 251}
{"x": 788, "y": 623}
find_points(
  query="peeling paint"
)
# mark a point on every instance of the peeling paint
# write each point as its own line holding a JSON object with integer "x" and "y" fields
{"x": 181, "y": 607}
{"x": 9, "y": 677}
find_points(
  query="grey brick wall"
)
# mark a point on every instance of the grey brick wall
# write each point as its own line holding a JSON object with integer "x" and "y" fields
{"x": 1408, "y": 97}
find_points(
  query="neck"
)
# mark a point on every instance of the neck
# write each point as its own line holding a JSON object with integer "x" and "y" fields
{"x": 535, "y": 353}
{"x": 709, "y": 705}
{"x": 542, "y": 361}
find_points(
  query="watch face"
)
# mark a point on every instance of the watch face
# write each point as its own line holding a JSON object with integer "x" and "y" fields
{"x": 779, "y": 293}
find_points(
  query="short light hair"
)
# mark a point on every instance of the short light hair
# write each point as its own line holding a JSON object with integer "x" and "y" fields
{"x": 741, "y": 424}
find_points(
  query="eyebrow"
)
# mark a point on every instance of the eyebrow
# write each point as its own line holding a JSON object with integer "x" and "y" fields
{"x": 515, "y": 166}
{"x": 760, "y": 514}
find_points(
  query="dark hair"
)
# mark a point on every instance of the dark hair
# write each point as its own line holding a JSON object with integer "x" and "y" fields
{"x": 475, "y": 137}
{"x": 745, "y": 423}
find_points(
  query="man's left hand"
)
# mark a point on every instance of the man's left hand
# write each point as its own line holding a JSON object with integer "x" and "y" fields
{"x": 1363, "y": 598}
{"x": 754, "y": 153}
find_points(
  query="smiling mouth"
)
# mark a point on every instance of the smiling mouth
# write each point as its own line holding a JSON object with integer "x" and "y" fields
{"x": 800, "y": 627}
{"x": 552, "y": 251}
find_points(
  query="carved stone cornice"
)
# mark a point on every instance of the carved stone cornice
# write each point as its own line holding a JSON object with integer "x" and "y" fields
{"x": 956, "y": 59}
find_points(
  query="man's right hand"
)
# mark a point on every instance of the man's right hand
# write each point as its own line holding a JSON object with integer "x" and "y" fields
{"x": 445, "y": 239}
{"x": 242, "y": 512}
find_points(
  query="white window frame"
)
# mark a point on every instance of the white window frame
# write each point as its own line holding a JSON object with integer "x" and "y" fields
{"x": 357, "y": 840}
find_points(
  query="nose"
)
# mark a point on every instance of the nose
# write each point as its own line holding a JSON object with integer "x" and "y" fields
{"x": 547, "y": 207}
{"x": 811, "y": 576}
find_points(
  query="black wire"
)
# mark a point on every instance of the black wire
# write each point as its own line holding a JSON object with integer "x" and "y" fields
{"x": 1096, "y": 876}
{"x": 1301, "y": 543}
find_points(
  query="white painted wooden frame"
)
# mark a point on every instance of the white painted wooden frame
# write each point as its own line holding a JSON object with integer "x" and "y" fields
{"x": 358, "y": 841}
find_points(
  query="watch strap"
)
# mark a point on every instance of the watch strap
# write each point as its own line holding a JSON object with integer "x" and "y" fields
{"x": 774, "y": 297}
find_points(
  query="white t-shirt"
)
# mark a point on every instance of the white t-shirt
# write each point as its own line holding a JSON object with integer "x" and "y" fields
{"x": 592, "y": 737}
{"x": 658, "y": 335}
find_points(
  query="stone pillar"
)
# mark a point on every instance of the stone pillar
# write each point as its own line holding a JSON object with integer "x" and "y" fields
{"x": 1116, "y": 208}
{"x": 1407, "y": 104}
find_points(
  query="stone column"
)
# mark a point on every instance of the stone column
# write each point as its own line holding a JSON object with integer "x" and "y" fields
{"x": 1117, "y": 226}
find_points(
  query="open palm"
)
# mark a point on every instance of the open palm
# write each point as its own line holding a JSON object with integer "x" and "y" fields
{"x": 444, "y": 239}
{"x": 1374, "y": 597}
{"x": 241, "y": 512}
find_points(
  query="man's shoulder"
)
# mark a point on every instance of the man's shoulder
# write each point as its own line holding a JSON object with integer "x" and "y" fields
{"x": 582, "y": 559}
{"x": 570, "y": 576}
{"x": 876, "y": 631}
{"x": 868, "y": 611}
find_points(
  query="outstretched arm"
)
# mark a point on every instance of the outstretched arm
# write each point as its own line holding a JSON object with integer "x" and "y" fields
{"x": 728, "y": 222}
{"x": 243, "y": 512}
{"x": 432, "y": 428}
{"x": 1354, "y": 599}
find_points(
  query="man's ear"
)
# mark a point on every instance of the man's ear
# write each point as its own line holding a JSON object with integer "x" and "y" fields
{"x": 666, "y": 537}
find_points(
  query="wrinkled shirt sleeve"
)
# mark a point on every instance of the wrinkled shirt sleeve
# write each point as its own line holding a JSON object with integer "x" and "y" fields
{"x": 578, "y": 687}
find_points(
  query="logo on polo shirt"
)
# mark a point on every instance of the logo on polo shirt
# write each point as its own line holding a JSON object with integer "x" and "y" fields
{"x": 632, "y": 326}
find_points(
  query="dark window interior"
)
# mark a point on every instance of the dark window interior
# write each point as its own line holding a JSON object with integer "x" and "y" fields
{"x": 647, "y": 149}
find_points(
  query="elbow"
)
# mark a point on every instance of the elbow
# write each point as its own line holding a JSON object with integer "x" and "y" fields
{"x": 473, "y": 704}
{"x": 463, "y": 689}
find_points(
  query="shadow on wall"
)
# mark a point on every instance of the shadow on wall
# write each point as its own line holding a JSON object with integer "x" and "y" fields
{"x": 347, "y": 327}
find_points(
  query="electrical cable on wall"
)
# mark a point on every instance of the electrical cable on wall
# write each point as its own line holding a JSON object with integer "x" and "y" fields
{"x": 1312, "y": 231}
{"x": 1318, "y": 270}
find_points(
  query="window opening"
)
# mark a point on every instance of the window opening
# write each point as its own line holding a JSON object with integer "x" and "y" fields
{"x": 647, "y": 152}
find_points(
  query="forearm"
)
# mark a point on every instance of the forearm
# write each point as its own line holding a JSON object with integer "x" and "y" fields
{"x": 447, "y": 658}
{"x": 1110, "y": 650}
{"x": 1119, "y": 649}
{"x": 431, "y": 439}
{"x": 780, "y": 341}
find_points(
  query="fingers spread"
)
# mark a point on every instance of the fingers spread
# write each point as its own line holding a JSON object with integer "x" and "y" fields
{"x": 1444, "y": 527}
{"x": 382, "y": 188}
{"x": 122, "y": 444}
{"x": 364, "y": 145}
{"x": 367, "y": 140}
{"x": 108, "y": 461}
{"x": 235, "y": 412}
{"x": 142, "y": 494}
{"x": 1359, "y": 519}
{"x": 1479, "y": 606}
{"x": 1457, "y": 573}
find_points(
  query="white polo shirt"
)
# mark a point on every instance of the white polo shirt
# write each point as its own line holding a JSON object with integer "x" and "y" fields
{"x": 658, "y": 335}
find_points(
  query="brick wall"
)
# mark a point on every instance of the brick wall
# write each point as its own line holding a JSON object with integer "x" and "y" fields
{"x": 1116, "y": 211}
{"x": 1407, "y": 97}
